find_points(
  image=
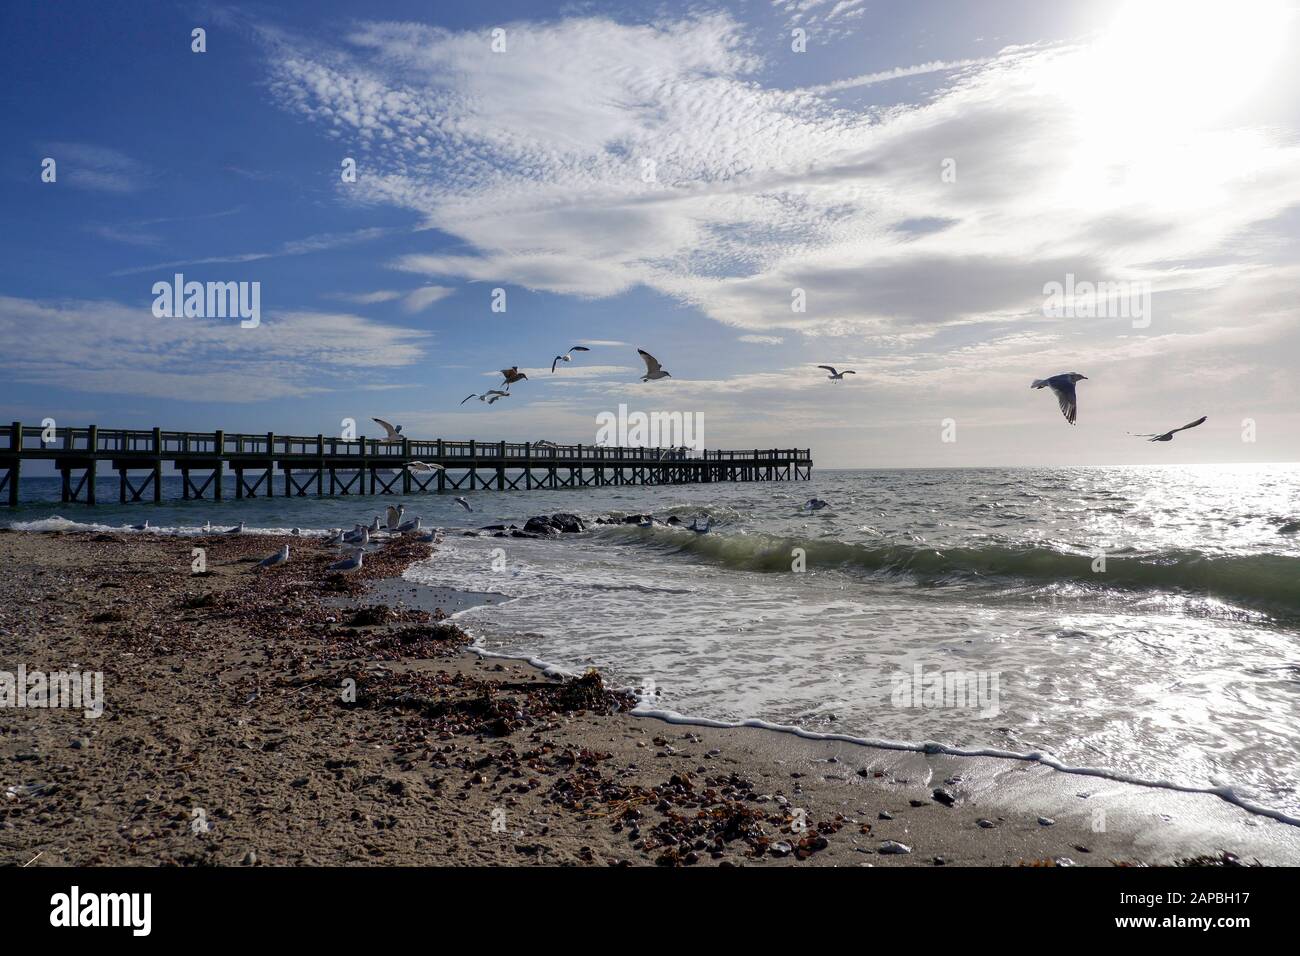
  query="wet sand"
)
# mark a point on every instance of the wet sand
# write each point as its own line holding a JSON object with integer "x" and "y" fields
{"x": 287, "y": 717}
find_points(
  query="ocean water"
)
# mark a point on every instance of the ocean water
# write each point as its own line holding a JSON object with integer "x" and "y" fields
{"x": 1144, "y": 621}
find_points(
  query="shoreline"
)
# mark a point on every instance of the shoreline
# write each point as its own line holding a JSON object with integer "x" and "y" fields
{"x": 222, "y": 708}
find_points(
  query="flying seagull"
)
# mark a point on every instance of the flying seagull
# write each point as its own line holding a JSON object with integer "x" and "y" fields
{"x": 701, "y": 529}
{"x": 653, "y": 370}
{"x": 543, "y": 443}
{"x": 837, "y": 376}
{"x": 568, "y": 356}
{"x": 1169, "y": 435}
{"x": 463, "y": 503}
{"x": 490, "y": 396}
{"x": 279, "y": 557}
{"x": 816, "y": 504}
{"x": 394, "y": 432}
{"x": 1063, "y": 386}
{"x": 349, "y": 564}
{"x": 423, "y": 466}
{"x": 512, "y": 375}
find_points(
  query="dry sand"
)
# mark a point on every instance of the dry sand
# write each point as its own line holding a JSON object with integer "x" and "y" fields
{"x": 226, "y": 739}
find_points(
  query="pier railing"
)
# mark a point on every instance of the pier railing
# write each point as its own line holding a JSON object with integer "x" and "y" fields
{"x": 77, "y": 450}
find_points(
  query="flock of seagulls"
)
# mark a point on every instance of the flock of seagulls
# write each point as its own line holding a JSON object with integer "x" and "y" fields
{"x": 393, "y": 524}
{"x": 654, "y": 371}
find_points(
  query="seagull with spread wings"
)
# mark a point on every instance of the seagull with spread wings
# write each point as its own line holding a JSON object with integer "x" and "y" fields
{"x": 512, "y": 375}
{"x": 394, "y": 432}
{"x": 490, "y": 396}
{"x": 568, "y": 356}
{"x": 653, "y": 370}
{"x": 1169, "y": 435}
{"x": 1063, "y": 386}
{"x": 837, "y": 376}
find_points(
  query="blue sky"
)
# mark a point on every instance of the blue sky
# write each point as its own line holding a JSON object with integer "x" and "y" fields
{"x": 1114, "y": 142}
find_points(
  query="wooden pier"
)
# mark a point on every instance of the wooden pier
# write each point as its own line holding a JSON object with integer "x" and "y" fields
{"x": 321, "y": 465}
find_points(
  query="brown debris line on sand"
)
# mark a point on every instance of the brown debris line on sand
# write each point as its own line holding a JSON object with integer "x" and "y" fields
{"x": 490, "y": 707}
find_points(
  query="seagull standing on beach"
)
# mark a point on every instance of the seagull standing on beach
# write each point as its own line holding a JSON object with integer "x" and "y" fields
{"x": 349, "y": 564}
{"x": 463, "y": 503}
{"x": 237, "y": 529}
{"x": 141, "y": 527}
{"x": 393, "y": 432}
{"x": 394, "y": 516}
{"x": 409, "y": 526}
{"x": 653, "y": 370}
{"x": 837, "y": 376}
{"x": 1063, "y": 386}
{"x": 568, "y": 356}
{"x": 280, "y": 557}
{"x": 1169, "y": 435}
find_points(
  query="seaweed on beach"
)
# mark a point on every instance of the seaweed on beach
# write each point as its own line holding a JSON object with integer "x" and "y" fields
{"x": 695, "y": 818}
{"x": 1222, "y": 859}
{"x": 454, "y": 705}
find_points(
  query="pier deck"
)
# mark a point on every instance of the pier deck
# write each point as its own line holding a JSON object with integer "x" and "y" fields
{"x": 324, "y": 465}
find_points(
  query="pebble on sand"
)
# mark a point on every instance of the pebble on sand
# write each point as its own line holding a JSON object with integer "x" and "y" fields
{"x": 893, "y": 846}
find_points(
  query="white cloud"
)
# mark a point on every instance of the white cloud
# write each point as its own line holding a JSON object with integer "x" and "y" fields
{"x": 97, "y": 168}
{"x": 597, "y": 157}
{"x": 293, "y": 247}
{"x": 421, "y": 299}
{"x": 687, "y": 176}
{"x": 366, "y": 298}
{"x": 107, "y": 347}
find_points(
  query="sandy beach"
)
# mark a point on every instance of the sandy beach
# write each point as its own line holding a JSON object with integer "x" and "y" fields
{"x": 288, "y": 716}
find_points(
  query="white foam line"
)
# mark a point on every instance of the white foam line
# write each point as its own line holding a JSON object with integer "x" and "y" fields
{"x": 58, "y": 523}
{"x": 932, "y": 747}
{"x": 929, "y": 747}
